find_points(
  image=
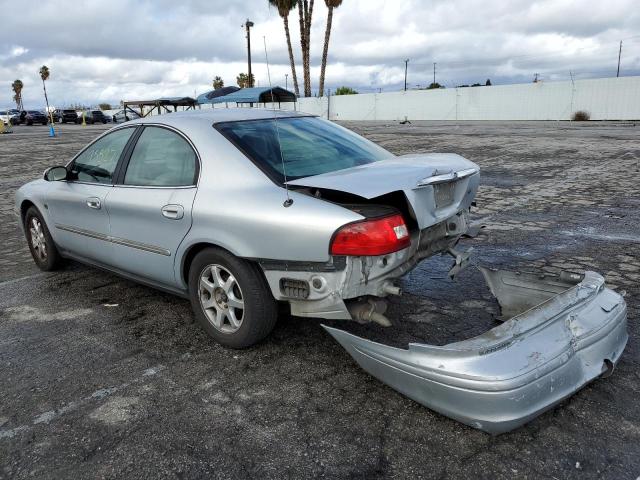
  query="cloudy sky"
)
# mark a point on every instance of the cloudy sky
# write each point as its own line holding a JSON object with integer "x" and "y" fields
{"x": 105, "y": 51}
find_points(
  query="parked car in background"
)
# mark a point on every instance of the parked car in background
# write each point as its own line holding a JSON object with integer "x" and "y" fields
{"x": 10, "y": 117}
{"x": 241, "y": 209}
{"x": 94, "y": 116}
{"x": 125, "y": 116}
{"x": 31, "y": 117}
{"x": 65, "y": 116}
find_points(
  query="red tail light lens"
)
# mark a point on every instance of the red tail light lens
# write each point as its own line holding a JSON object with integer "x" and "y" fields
{"x": 371, "y": 237}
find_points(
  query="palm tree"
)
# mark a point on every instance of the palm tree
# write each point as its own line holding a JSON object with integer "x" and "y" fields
{"x": 44, "y": 75}
{"x": 243, "y": 80}
{"x": 331, "y": 4}
{"x": 284, "y": 7}
{"x": 17, "y": 87}
{"x": 217, "y": 82}
{"x": 305, "y": 12}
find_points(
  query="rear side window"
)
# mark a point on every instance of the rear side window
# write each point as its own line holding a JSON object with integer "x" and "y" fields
{"x": 305, "y": 145}
{"x": 161, "y": 158}
{"x": 98, "y": 162}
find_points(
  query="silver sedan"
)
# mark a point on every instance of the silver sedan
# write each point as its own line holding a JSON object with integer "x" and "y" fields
{"x": 241, "y": 209}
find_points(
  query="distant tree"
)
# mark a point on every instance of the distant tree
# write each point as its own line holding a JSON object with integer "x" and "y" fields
{"x": 105, "y": 106}
{"x": 476, "y": 85}
{"x": 581, "y": 116}
{"x": 487, "y": 83}
{"x": 284, "y": 8}
{"x": 217, "y": 82}
{"x": 243, "y": 80}
{"x": 17, "y": 87}
{"x": 345, "y": 91}
{"x": 44, "y": 75}
{"x": 331, "y": 4}
{"x": 434, "y": 85}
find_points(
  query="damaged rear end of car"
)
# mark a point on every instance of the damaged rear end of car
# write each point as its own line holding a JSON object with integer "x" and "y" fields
{"x": 412, "y": 207}
{"x": 557, "y": 332}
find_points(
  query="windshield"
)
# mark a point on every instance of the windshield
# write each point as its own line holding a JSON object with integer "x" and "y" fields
{"x": 309, "y": 146}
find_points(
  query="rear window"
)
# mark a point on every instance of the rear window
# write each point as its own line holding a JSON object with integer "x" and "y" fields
{"x": 306, "y": 145}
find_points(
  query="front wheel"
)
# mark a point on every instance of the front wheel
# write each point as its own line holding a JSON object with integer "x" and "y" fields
{"x": 43, "y": 250}
{"x": 231, "y": 299}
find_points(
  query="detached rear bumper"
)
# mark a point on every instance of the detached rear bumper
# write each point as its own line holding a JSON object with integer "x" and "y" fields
{"x": 563, "y": 335}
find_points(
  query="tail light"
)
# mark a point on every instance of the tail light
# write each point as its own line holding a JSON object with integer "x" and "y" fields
{"x": 371, "y": 237}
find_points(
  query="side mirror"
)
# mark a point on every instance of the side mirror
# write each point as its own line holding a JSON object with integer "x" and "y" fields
{"x": 55, "y": 174}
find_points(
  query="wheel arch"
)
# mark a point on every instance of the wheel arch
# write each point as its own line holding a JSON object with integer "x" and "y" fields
{"x": 24, "y": 206}
{"x": 192, "y": 251}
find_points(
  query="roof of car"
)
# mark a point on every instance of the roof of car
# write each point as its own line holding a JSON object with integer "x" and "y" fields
{"x": 217, "y": 115}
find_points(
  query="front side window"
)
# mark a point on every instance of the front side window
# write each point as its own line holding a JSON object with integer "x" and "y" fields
{"x": 161, "y": 158}
{"x": 98, "y": 162}
{"x": 306, "y": 145}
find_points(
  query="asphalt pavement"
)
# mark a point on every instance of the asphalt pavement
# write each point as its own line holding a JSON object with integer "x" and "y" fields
{"x": 104, "y": 378}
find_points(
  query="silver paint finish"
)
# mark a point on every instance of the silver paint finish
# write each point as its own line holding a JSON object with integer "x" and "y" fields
{"x": 512, "y": 373}
{"x": 80, "y": 206}
{"x": 136, "y": 214}
{"x": 120, "y": 241}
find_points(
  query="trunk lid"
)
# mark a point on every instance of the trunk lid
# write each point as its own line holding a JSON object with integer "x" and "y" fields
{"x": 437, "y": 185}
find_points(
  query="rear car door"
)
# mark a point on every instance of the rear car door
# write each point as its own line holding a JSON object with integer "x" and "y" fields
{"x": 150, "y": 204}
{"x": 77, "y": 205}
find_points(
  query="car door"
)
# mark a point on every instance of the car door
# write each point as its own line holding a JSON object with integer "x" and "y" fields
{"x": 77, "y": 205}
{"x": 150, "y": 204}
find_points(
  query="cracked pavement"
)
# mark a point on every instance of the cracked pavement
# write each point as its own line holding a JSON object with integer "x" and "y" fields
{"x": 104, "y": 378}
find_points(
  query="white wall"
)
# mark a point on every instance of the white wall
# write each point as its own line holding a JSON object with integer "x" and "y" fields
{"x": 604, "y": 99}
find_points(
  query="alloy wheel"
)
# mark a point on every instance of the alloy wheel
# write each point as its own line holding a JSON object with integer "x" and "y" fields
{"x": 38, "y": 240}
{"x": 221, "y": 298}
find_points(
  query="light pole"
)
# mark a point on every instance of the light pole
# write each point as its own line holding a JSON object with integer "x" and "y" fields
{"x": 405, "y": 74}
{"x": 248, "y": 24}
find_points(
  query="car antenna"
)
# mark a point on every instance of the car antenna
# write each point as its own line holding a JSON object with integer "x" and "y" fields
{"x": 289, "y": 201}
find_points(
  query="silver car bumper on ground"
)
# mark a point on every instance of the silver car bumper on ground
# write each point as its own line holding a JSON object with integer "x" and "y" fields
{"x": 561, "y": 335}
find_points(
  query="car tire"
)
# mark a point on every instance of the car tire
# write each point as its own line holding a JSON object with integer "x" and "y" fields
{"x": 30, "y": 124}
{"x": 234, "y": 305}
{"x": 41, "y": 245}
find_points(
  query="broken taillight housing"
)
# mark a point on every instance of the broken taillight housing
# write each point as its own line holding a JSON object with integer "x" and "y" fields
{"x": 371, "y": 237}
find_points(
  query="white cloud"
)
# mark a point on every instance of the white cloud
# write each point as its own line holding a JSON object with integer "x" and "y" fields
{"x": 107, "y": 51}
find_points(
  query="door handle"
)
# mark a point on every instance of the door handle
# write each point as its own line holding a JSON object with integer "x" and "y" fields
{"x": 173, "y": 212}
{"x": 93, "y": 202}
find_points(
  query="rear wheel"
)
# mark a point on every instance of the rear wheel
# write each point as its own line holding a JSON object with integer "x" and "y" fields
{"x": 231, "y": 299}
{"x": 43, "y": 250}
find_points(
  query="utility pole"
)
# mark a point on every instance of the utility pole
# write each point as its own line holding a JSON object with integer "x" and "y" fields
{"x": 248, "y": 24}
{"x": 405, "y": 74}
{"x": 434, "y": 74}
{"x": 619, "y": 53}
{"x": 286, "y": 81}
